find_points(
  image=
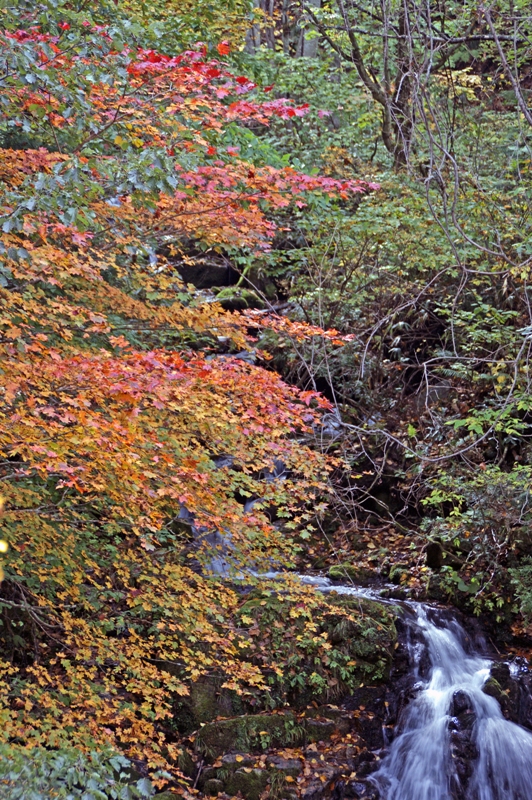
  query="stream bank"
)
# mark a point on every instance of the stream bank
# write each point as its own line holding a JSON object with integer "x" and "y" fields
{"x": 343, "y": 749}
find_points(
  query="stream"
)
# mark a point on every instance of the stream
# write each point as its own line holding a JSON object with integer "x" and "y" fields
{"x": 452, "y": 741}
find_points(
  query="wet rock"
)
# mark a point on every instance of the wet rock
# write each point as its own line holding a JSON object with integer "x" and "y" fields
{"x": 459, "y": 703}
{"x": 370, "y": 704}
{"x": 366, "y": 767}
{"x": 342, "y": 720}
{"x": 371, "y": 732}
{"x": 361, "y": 790}
{"x": 525, "y": 701}
{"x": 233, "y": 761}
{"x": 509, "y": 692}
{"x": 313, "y": 791}
{"x": 463, "y": 749}
{"x": 330, "y": 781}
{"x": 319, "y": 730}
{"x": 394, "y": 593}
{"x": 372, "y": 698}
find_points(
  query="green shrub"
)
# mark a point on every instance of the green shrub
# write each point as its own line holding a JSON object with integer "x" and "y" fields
{"x": 41, "y": 774}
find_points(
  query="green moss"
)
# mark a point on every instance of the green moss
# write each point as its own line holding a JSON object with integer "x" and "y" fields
{"x": 254, "y": 732}
{"x": 397, "y": 572}
{"x": 493, "y": 688}
{"x": 233, "y": 299}
{"x": 166, "y": 796}
{"x": 361, "y": 576}
{"x": 213, "y": 787}
{"x": 250, "y": 783}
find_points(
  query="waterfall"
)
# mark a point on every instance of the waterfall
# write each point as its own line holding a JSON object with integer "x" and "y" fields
{"x": 453, "y": 742}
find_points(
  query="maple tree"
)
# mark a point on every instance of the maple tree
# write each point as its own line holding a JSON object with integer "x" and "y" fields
{"x": 128, "y": 440}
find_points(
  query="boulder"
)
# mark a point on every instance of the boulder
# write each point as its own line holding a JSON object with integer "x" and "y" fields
{"x": 350, "y": 573}
{"x": 249, "y": 782}
{"x": 213, "y": 787}
{"x": 253, "y": 732}
{"x": 233, "y": 299}
{"x": 207, "y": 701}
{"x": 505, "y": 690}
{"x": 361, "y": 790}
{"x": 463, "y": 749}
{"x": 286, "y": 766}
{"x": 206, "y": 273}
{"x": 319, "y": 730}
{"x": 397, "y": 572}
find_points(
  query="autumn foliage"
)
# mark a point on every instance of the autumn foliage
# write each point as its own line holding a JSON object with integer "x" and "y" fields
{"x": 117, "y": 403}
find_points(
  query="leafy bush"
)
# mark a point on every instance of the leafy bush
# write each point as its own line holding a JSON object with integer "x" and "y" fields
{"x": 42, "y": 774}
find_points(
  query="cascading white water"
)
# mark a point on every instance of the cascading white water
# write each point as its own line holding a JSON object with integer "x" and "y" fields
{"x": 422, "y": 760}
{"x": 420, "y": 764}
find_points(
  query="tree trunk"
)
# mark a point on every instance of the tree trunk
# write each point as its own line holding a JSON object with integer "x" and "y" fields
{"x": 308, "y": 48}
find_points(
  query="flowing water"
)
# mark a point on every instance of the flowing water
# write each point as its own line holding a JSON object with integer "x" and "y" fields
{"x": 453, "y": 741}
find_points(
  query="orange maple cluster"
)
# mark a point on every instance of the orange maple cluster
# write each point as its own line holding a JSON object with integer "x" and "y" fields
{"x": 115, "y": 407}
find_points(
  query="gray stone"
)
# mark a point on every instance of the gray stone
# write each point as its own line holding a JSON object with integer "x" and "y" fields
{"x": 288, "y": 766}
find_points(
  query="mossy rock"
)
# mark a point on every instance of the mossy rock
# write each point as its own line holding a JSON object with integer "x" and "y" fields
{"x": 186, "y": 764}
{"x": 165, "y": 796}
{"x": 249, "y": 782}
{"x": 342, "y": 722}
{"x": 254, "y": 732}
{"x": 371, "y": 637}
{"x": 319, "y": 730}
{"x": 287, "y": 766}
{"x": 207, "y": 701}
{"x": 233, "y": 761}
{"x": 213, "y": 787}
{"x": 493, "y": 688}
{"x": 397, "y": 571}
{"x": 232, "y": 299}
{"x": 362, "y": 576}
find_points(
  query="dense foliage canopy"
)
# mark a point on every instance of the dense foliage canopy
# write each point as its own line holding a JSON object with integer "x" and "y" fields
{"x": 366, "y": 170}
